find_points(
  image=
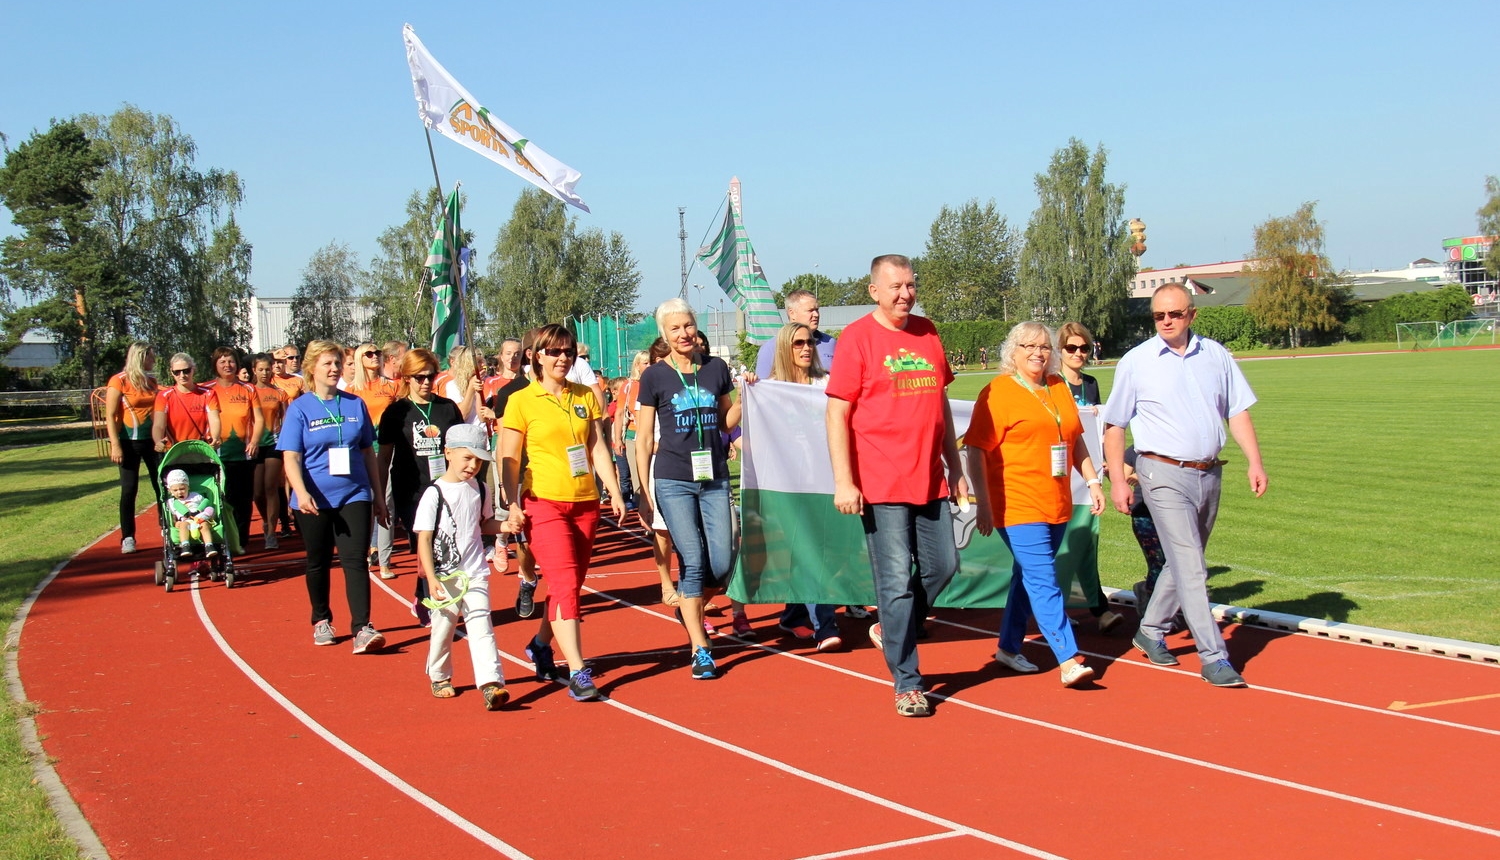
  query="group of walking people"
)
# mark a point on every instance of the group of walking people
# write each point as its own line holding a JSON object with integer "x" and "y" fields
{"x": 371, "y": 437}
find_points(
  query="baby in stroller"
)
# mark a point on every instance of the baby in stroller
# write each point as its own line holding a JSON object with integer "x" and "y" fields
{"x": 192, "y": 516}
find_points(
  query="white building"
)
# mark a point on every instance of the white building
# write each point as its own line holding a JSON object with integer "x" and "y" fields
{"x": 271, "y": 317}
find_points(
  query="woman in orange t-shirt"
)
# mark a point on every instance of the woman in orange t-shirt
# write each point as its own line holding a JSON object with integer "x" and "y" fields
{"x": 185, "y": 411}
{"x": 240, "y": 424}
{"x": 1023, "y": 443}
{"x": 272, "y": 402}
{"x": 129, "y": 402}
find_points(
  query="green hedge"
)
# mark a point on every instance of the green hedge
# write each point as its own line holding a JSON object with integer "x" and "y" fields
{"x": 1232, "y": 326}
{"x": 970, "y": 335}
{"x": 1377, "y": 321}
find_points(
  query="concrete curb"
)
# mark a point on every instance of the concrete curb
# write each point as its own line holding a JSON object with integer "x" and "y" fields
{"x": 63, "y": 806}
{"x": 1338, "y": 631}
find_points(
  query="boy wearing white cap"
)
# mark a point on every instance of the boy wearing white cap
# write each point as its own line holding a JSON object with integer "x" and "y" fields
{"x": 192, "y": 516}
{"x": 451, "y": 517}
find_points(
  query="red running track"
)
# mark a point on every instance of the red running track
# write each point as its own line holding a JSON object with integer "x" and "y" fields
{"x": 204, "y": 723}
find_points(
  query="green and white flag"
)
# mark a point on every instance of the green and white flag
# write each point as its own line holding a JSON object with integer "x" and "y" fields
{"x": 445, "y": 262}
{"x": 796, "y": 548}
{"x": 447, "y": 108}
{"x": 731, "y": 257}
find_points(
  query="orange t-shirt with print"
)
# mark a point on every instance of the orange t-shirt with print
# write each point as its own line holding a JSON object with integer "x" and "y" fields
{"x": 237, "y": 404}
{"x": 1016, "y": 428}
{"x": 272, "y": 402}
{"x": 293, "y": 386}
{"x": 378, "y": 395}
{"x": 187, "y": 414}
{"x": 136, "y": 407}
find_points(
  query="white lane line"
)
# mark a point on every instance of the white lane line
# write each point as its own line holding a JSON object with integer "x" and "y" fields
{"x": 338, "y": 743}
{"x": 1040, "y": 643}
{"x": 775, "y": 763}
{"x": 884, "y": 846}
{"x": 836, "y": 786}
{"x": 1169, "y": 756}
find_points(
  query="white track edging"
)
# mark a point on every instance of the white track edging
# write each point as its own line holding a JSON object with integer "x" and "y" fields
{"x": 73, "y": 822}
{"x": 1339, "y": 631}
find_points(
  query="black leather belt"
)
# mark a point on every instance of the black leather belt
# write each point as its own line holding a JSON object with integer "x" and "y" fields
{"x": 1198, "y": 465}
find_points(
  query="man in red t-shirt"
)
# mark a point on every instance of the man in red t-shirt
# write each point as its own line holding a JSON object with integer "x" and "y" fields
{"x": 890, "y": 437}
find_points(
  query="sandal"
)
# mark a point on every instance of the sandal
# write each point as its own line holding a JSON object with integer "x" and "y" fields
{"x": 670, "y": 598}
{"x": 443, "y": 689}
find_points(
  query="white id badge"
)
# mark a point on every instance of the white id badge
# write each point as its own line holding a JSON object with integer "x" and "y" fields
{"x": 1059, "y": 461}
{"x": 578, "y": 460}
{"x": 703, "y": 465}
{"x": 436, "y": 466}
{"x": 338, "y": 461}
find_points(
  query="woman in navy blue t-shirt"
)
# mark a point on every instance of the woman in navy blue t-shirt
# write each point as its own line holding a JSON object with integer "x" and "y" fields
{"x": 326, "y": 440}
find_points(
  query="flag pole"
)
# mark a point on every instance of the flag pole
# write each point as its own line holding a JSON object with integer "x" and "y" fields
{"x": 433, "y": 158}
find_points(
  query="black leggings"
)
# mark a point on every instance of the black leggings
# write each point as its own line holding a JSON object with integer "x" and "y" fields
{"x": 132, "y": 453}
{"x": 349, "y": 528}
{"x": 239, "y": 492}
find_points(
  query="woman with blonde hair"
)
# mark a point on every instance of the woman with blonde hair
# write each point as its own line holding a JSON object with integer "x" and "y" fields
{"x": 129, "y": 403}
{"x": 463, "y": 385}
{"x": 1022, "y": 445}
{"x": 327, "y": 443}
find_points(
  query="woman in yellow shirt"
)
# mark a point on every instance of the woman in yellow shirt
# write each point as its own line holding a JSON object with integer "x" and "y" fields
{"x": 557, "y": 424}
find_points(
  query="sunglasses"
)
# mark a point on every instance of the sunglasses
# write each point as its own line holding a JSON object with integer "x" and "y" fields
{"x": 800, "y": 342}
{"x": 183, "y": 370}
{"x": 1176, "y": 315}
{"x": 291, "y": 357}
{"x": 423, "y": 377}
{"x": 370, "y": 353}
{"x": 1075, "y": 347}
{"x": 556, "y": 351}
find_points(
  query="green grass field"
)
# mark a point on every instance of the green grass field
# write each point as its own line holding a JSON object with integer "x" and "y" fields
{"x": 1383, "y": 494}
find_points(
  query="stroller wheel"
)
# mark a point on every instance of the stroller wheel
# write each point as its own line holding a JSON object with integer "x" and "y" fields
{"x": 229, "y": 576}
{"x": 171, "y": 580}
{"x": 160, "y": 573}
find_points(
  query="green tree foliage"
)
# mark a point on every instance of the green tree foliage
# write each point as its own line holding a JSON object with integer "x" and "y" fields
{"x": 59, "y": 263}
{"x": 970, "y": 335}
{"x": 323, "y": 305}
{"x": 1377, "y": 321}
{"x": 1296, "y": 289}
{"x": 392, "y": 287}
{"x": 1076, "y": 263}
{"x": 543, "y": 270}
{"x": 1232, "y": 326}
{"x": 830, "y": 293}
{"x": 969, "y": 268}
{"x": 1489, "y": 224}
{"x": 161, "y": 219}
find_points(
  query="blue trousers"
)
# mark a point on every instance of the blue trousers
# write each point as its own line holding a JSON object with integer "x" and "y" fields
{"x": 1033, "y": 589}
{"x": 898, "y": 536}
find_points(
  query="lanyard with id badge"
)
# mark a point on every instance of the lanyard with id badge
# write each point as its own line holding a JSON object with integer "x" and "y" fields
{"x": 578, "y": 456}
{"x": 338, "y": 456}
{"x": 430, "y": 445}
{"x": 700, "y": 458}
{"x": 1059, "y": 452}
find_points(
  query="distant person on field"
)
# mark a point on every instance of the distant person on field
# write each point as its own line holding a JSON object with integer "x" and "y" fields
{"x": 1175, "y": 392}
{"x": 895, "y": 462}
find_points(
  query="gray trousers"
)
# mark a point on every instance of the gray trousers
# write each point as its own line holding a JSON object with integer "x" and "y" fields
{"x": 1184, "y": 504}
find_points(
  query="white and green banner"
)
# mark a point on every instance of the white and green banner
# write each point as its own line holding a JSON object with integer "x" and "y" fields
{"x": 796, "y": 548}
{"x": 445, "y": 262}
{"x": 447, "y": 108}
{"x": 731, "y": 257}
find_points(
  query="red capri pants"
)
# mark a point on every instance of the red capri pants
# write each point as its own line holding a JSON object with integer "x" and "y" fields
{"x": 562, "y": 538}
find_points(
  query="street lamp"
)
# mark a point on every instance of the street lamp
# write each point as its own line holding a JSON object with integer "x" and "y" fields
{"x": 699, "y": 288}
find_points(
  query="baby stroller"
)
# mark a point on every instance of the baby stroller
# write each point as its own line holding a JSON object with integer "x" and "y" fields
{"x": 205, "y": 477}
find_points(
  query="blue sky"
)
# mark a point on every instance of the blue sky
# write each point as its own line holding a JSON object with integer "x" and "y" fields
{"x": 849, "y": 124}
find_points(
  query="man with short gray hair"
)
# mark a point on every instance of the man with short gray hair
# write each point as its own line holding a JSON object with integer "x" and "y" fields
{"x": 801, "y": 307}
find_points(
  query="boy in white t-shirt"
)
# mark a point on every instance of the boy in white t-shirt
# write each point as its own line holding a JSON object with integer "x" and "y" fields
{"x": 451, "y": 517}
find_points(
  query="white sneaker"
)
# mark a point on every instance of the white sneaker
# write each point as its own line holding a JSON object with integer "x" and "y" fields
{"x": 1015, "y": 662}
{"x": 271, "y": 541}
{"x": 127, "y": 546}
{"x": 1073, "y": 672}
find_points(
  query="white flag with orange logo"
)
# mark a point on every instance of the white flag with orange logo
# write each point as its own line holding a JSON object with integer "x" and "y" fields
{"x": 447, "y": 108}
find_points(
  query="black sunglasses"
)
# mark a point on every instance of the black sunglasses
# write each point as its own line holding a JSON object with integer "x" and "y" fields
{"x": 800, "y": 342}
{"x": 182, "y": 370}
{"x": 556, "y": 351}
{"x": 1176, "y": 315}
{"x": 423, "y": 377}
{"x": 370, "y": 353}
{"x": 1075, "y": 347}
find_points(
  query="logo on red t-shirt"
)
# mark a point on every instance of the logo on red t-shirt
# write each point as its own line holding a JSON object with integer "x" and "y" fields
{"x": 911, "y": 374}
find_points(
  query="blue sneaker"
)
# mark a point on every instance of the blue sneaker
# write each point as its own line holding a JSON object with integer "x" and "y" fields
{"x": 581, "y": 685}
{"x": 541, "y": 657}
{"x": 704, "y": 667}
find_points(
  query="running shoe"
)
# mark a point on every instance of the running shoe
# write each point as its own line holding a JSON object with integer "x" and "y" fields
{"x": 875, "y": 636}
{"x": 830, "y": 643}
{"x": 913, "y": 704}
{"x": 368, "y": 639}
{"x": 860, "y": 612}
{"x": 704, "y": 667}
{"x": 796, "y": 631}
{"x": 541, "y": 658}
{"x": 741, "y": 626}
{"x": 1109, "y": 621}
{"x": 323, "y": 633}
{"x": 127, "y": 546}
{"x": 526, "y": 599}
{"x": 271, "y": 541}
{"x": 581, "y": 685}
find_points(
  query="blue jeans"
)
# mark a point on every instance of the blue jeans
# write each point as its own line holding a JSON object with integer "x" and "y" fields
{"x": 897, "y": 536}
{"x": 1033, "y": 589}
{"x": 698, "y": 518}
